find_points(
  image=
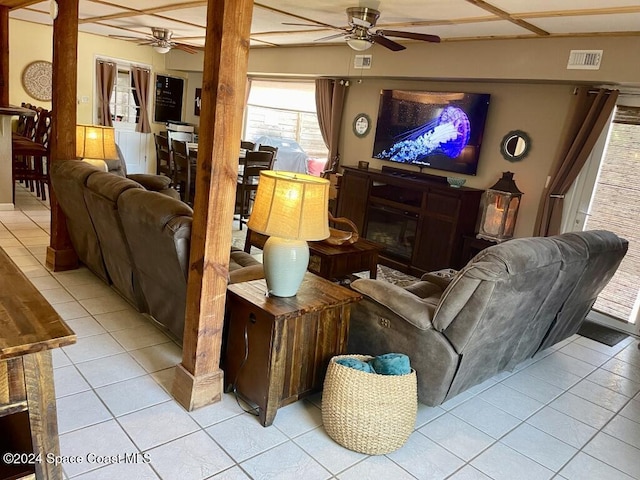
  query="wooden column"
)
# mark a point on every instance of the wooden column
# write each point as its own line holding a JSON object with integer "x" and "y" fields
{"x": 60, "y": 253}
{"x": 4, "y": 56}
{"x": 198, "y": 380}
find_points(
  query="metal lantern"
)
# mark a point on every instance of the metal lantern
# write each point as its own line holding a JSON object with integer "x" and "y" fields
{"x": 500, "y": 210}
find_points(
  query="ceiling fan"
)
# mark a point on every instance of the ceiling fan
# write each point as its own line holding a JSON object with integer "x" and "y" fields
{"x": 360, "y": 35}
{"x": 160, "y": 40}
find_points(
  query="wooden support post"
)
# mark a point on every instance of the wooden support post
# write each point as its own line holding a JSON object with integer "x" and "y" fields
{"x": 4, "y": 56}
{"x": 198, "y": 380}
{"x": 60, "y": 253}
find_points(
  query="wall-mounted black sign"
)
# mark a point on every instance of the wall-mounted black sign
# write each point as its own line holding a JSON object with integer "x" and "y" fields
{"x": 168, "y": 106}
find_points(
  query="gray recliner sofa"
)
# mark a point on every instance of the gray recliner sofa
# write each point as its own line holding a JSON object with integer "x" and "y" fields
{"x": 509, "y": 302}
{"x": 134, "y": 239}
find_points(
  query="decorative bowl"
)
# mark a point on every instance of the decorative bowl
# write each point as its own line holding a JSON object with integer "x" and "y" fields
{"x": 456, "y": 182}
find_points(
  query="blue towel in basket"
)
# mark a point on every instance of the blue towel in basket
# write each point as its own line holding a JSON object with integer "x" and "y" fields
{"x": 355, "y": 364}
{"x": 391, "y": 364}
{"x": 387, "y": 364}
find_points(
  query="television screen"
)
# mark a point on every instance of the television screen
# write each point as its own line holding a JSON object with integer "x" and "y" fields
{"x": 441, "y": 130}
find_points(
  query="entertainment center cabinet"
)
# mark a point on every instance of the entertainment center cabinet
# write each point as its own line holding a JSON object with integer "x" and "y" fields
{"x": 418, "y": 218}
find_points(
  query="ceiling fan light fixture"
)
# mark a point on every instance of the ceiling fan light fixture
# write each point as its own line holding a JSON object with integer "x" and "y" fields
{"x": 359, "y": 44}
{"x": 161, "y": 49}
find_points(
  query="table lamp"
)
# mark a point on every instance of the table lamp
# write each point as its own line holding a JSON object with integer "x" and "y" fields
{"x": 95, "y": 144}
{"x": 290, "y": 208}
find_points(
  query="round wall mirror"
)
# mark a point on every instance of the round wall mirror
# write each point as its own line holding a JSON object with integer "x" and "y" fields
{"x": 515, "y": 145}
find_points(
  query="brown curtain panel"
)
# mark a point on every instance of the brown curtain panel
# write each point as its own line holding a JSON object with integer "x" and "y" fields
{"x": 591, "y": 111}
{"x": 141, "y": 81}
{"x": 105, "y": 79}
{"x": 330, "y": 95}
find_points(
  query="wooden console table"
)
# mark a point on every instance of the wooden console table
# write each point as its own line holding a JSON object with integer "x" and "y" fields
{"x": 278, "y": 349}
{"x": 28, "y": 421}
{"x": 330, "y": 261}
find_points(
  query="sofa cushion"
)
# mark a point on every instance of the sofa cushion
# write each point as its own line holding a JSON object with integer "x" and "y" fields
{"x": 158, "y": 231}
{"x": 68, "y": 179}
{"x": 604, "y": 251}
{"x": 156, "y": 183}
{"x": 486, "y": 310}
{"x": 243, "y": 267}
{"x": 101, "y": 196}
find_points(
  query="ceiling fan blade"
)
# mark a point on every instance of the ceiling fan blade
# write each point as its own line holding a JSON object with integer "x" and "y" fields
{"x": 329, "y": 37}
{"x": 184, "y": 48}
{"x": 386, "y": 42}
{"x": 314, "y": 24}
{"x": 126, "y": 37}
{"x": 411, "y": 35}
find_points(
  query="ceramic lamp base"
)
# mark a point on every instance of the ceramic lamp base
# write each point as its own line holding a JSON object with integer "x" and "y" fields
{"x": 285, "y": 262}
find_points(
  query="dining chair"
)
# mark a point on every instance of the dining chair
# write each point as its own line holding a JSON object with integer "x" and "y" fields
{"x": 248, "y": 176}
{"x": 246, "y": 145}
{"x": 164, "y": 163}
{"x": 185, "y": 171}
{"x": 268, "y": 148}
{"x": 30, "y": 155}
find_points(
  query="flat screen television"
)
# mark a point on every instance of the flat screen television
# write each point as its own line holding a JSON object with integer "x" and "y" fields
{"x": 441, "y": 130}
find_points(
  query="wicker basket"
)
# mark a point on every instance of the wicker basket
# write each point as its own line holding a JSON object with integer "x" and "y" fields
{"x": 367, "y": 412}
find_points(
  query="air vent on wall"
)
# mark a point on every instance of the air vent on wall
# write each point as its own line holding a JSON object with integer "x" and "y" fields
{"x": 584, "y": 60}
{"x": 362, "y": 61}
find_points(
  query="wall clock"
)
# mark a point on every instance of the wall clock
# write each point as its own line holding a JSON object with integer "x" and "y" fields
{"x": 361, "y": 125}
{"x": 36, "y": 80}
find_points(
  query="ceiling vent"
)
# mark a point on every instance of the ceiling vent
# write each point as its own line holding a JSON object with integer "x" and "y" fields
{"x": 362, "y": 61}
{"x": 584, "y": 60}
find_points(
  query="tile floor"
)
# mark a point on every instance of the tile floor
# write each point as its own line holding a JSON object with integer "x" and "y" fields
{"x": 571, "y": 413}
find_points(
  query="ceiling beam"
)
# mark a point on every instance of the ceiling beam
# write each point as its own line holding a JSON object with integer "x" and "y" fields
{"x": 506, "y": 16}
{"x": 578, "y": 13}
{"x": 15, "y": 4}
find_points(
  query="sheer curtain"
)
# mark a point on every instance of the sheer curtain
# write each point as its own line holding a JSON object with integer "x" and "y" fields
{"x": 105, "y": 79}
{"x": 141, "y": 81}
{"x": 591, "y": 111}
{"x": 330, "y": 95}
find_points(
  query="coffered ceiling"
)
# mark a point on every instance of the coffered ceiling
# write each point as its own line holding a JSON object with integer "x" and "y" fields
{"x": 452, "y": 20}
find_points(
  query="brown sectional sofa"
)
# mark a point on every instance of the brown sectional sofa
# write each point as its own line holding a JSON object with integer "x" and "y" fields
{"x": 135, "y": 239}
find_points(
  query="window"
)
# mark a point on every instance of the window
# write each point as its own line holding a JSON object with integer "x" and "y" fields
{"x": 124, "y": 107}
{"x": 285, "y": 110}
{"x": 123, "y": 103}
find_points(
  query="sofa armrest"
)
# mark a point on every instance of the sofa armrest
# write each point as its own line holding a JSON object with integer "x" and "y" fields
{"x": 155, "y": 183}
{"x": 411, "y": 308}
{"x": 246, "y": 274}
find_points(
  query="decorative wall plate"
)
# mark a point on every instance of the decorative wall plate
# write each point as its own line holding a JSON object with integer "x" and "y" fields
{"x": 361, "y": 125}
{"x": 36, "y": 80}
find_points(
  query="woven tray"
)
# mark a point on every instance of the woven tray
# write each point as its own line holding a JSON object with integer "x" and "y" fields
{"x": 367, "y": 412}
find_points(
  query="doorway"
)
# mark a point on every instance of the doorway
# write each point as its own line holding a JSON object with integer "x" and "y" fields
{"x": 606, "y": 195}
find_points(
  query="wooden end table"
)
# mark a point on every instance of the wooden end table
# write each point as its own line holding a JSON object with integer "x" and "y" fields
{"x": 330, "y": 261}
{"x": 278, "y": 349}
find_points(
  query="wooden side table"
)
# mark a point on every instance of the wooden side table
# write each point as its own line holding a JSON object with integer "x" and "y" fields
{"x": 278, "y": 349}
{"x": 28, "y": 420}
{"x": 330, "y": 261}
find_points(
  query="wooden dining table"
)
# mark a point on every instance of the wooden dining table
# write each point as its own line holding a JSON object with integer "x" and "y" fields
{"x": 31, "y": 328}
